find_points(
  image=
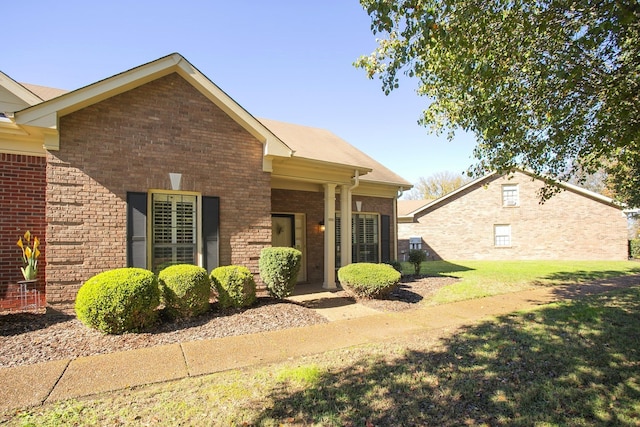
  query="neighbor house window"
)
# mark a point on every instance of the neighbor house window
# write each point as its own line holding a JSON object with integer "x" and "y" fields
{"x": 510, "y": 195}
{"x": 502, "y": 235}
{"x": 415, "y": 243}
{"x": 173, "y": 230}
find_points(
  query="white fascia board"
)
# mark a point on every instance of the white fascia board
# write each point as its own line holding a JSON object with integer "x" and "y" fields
{"x": 46, "y": 114}
{"x": 273, "y": 146}
{"x": 19, "y": 91}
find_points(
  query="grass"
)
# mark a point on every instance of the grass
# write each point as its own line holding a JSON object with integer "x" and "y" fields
{"x": 572, "y": 363}
{"x": 485, "y": 278}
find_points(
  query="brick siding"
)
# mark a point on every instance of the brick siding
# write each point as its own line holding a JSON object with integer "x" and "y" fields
{"x": 570, "y": 226}
{"x": 131, "y": 142}
{"x": 312, "y": 205}
{"x": 22, "y": 208}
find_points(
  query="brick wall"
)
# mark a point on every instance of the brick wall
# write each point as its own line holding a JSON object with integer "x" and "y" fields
{"x": 131, "y": 142}
{"x": 312, "y": 205}
{"x": 22, "y": 208}
{"x": 570, "y": 226}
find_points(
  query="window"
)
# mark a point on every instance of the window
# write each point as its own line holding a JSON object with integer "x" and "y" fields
{"x": 415, "y": 243}
{"x": 173, "y": 230}
{"x": 366, "y": 240}
{"x": 510, "y": 195}
{"x": 165, "y": 228}
{"x": 502, "y": 235}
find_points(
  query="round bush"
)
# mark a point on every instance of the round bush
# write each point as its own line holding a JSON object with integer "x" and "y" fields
{"x": 185, "y": 289}
{"x": 367, "y": 280}
{"x": 279, "y": 269}
{"x": 120, "y": 300}
{"x": 396, "y": 266}
{"x": 235, "y": 286}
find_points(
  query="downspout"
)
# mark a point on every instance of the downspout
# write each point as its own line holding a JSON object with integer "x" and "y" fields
{"x": 346, "y": 214}
{"x": 395, "y": 222}
{"x": 357, "y": 183}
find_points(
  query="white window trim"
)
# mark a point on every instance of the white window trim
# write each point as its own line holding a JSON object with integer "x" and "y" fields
{"x": 516, "y": 202}
{"x": 199, "y": 239}
{"x": 501, "y": 227}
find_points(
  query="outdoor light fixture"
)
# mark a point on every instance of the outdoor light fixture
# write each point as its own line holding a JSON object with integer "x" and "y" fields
{"x": 175, "y": 179}
{"x": 321, "y": 226}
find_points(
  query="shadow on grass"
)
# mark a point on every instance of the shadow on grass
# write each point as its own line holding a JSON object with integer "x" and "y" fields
{"x": 590, "y": 287}
{"x": 441, "y": 268}
{"x": 569, "y": 364}
{"x": 584, "y": 276}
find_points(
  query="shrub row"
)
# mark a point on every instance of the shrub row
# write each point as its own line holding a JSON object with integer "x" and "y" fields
{"x": 127, "y": 299}
{"x": 367, "y": 280}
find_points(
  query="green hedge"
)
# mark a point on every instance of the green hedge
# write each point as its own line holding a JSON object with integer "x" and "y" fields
{"x": 279, "y": 269}
{"x": 118, "y": 301}
{"x": 185, "y": 289}
{"x": 368, "y": 280}
{"x": 235, "y": 286}
{"x": 634, "y": 248}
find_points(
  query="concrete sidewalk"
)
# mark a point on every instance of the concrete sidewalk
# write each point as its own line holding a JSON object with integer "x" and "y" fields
{"x": 33, "y": 385}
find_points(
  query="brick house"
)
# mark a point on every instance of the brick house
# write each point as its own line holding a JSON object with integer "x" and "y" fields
{"x": 500, "y": 218}
{"x": 157, "y": 165}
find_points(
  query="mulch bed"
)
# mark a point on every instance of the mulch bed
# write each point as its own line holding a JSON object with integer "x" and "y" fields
{"x": 27, "y": 338}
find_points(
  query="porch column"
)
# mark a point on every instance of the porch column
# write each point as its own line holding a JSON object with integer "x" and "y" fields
{"x": 329, "y": 237}
{"x": 345, "y": 225}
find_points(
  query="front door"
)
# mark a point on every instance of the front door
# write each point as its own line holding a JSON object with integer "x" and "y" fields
{"x": 282, "y": 230}
{"x": 287, "y": 230}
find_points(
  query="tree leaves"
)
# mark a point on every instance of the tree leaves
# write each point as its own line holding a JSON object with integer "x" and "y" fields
{"x": 551, "y": 85}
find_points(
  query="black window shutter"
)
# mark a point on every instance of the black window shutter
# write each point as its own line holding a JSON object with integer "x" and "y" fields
{"x": 385, "y": 237}
{"x": 210, "y": 226}
{"x": 137, "y": 230}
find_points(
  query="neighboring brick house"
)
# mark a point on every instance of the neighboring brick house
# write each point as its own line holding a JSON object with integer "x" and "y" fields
{"x": 501, "y": 218}
{"x": 157, "y": 165}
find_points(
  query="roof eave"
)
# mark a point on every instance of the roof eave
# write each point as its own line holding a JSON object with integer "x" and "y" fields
{"x": 46, "y": 114}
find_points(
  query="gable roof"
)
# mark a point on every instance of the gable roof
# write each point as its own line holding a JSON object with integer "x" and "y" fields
{"x": 46, "y": 114}
{"x": 311, "y": 148}
{"x": 324, "y": 146}
{"x": 14, "y": 96}
{"x": 427, "y": 204}
{"x": 406, "y": 207}
{"x": 43, "y": 92}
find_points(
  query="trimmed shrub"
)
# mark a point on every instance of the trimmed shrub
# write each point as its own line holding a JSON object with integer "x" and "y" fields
{"x": 235, "y": 286}
{"x": 279, "y": 269}
{"x": 367, "y": 280}
{"x": 396, "y": 266}
{"x": 118, "y": 301}
{"x": 417, "y": 257}
{"x": 185, "y": 290}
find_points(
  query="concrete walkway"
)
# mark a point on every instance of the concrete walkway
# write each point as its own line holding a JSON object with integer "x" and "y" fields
{"x": 351, "y": 325}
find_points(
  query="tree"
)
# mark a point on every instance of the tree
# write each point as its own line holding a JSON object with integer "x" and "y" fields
{"x": 552, "y": 86}
{"x": 437, "y": 185}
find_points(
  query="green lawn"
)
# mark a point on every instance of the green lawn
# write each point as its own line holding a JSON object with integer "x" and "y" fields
{"x": 574, "y": 363}
{"x": 484, "y": 278}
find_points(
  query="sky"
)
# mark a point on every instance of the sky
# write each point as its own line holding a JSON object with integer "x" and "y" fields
{"x": 286, "y": 60}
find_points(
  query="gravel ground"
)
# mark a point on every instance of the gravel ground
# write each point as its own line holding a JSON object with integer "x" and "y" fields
{"x": 32, "y": 338}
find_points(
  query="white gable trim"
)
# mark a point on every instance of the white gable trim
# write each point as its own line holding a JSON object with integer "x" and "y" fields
{"x": 46, "y": 114}
{"x": 574, "y": 188}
